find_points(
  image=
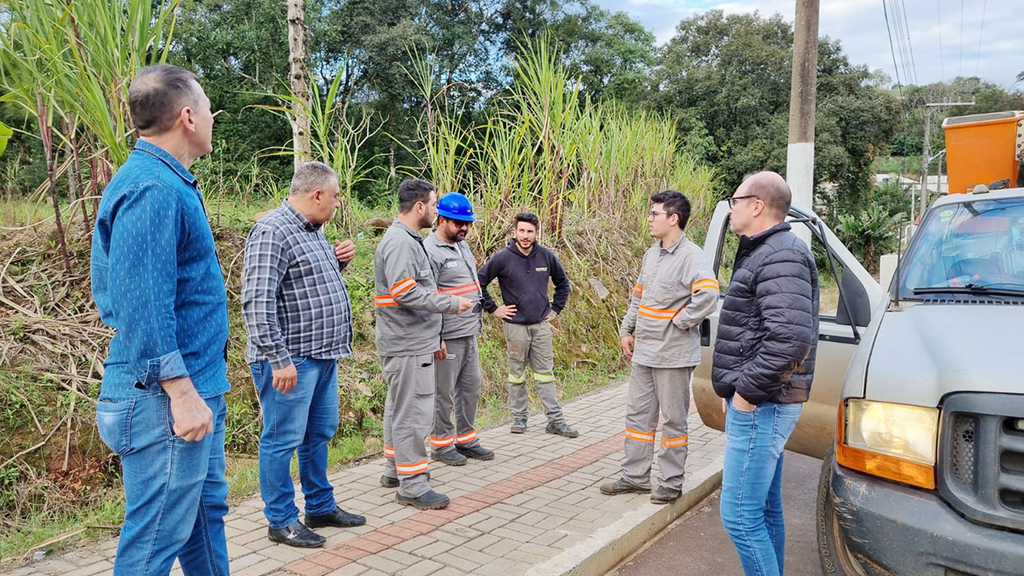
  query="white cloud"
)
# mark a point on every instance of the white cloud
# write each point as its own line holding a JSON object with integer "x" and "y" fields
{"x": 940, "y": 51}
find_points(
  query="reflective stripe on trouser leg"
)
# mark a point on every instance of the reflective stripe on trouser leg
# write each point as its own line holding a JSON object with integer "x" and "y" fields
{"x": 410, "y": 381}
{"x": 467, "y": 392}
{"x": 672, "y": 385}
{"x": 458, "y": 390}
{"x": 542, "y": 362}
{"x": 641, "y": 422}
{"x": 517, "y": 346}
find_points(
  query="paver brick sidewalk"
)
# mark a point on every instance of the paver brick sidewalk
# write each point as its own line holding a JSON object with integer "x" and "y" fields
{"x": 535, "y": 500}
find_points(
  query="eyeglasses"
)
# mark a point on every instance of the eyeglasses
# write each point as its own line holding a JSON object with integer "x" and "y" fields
{"x": 732, "y": 200}
{"x": 654, "y": 214}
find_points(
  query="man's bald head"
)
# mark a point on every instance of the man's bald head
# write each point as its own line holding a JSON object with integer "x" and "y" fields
{"x": 772, "y": 190}
{"x": 157, "y": 95}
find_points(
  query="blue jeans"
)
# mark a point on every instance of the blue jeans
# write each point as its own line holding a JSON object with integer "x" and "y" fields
{"x": 175, "y": 491}
{"x": 751, "y": 504}
{"x": 304, "y": 419}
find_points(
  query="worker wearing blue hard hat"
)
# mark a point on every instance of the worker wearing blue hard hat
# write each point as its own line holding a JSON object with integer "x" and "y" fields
{"x": 455, "y": 206}
{"x": 458, "y": 375}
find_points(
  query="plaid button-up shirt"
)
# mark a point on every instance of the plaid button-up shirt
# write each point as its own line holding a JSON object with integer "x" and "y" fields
{"x": 294, "y": 300}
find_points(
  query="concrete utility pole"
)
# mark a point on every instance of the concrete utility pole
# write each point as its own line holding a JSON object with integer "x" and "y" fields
{"x": 802, "y": 101}
{"x": 926, "y": 150}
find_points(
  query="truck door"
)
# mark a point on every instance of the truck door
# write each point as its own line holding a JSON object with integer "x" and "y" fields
{"x": 848, "y": 296}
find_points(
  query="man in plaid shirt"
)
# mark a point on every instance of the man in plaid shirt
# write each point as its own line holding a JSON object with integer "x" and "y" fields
{"x": 299, "y": 319}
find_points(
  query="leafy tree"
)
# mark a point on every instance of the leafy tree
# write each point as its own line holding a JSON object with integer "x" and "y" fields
{"x": 732, "y": 74}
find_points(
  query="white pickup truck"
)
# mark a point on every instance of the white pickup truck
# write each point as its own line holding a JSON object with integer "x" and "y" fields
{"x": 917, "y": 405}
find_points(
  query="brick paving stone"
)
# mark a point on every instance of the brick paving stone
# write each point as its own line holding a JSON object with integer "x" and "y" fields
{"x": 432, "y": 550}
{"x": 458, "y": 562}
{"x": 378, "y": 562}
{"x": 421, "y": 568}
{"x": 538, "y": 497}
{"x": 502, "y": 567}
{"x": 349, "y": 570}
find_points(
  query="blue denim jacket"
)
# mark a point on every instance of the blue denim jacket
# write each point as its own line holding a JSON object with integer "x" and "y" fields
{"x": 157, "y": 281}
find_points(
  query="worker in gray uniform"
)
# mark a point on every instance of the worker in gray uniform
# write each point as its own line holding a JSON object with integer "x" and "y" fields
{"x": 675, "y": 291}
{"x": 459, "y": 378}
{"x": 408, "y": 333}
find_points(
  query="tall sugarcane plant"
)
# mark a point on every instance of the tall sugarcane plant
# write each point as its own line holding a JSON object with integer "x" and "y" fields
{"x": 545, "y": 148}
{"x": 68, "y": 63}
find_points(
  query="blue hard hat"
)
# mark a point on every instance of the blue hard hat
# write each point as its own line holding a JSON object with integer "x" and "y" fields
{"x": 455, "y": 206}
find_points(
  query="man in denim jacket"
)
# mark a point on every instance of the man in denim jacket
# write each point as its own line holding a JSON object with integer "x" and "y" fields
{"x": 157, "y": 281}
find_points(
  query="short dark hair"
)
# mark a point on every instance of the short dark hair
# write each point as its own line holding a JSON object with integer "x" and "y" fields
{"x": 157, "y": 95}
{"x": 412, "y": 191}
{"x": 527, "y": 217}
{"x": 674, "y": 203}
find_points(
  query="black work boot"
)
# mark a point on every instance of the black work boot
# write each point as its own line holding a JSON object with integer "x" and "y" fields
{"x": 297, "y": 535}
{"x": 665, "y": 495}
{"x": 429, "y": 501}
{"x": 336, "y": 517}
{"x": 476, "y": 451}
{"x": 451, "y": 457}
{"x": 562, "y": 429}
{"x": 519, "y": 425}
{"x": 620, "y": 486}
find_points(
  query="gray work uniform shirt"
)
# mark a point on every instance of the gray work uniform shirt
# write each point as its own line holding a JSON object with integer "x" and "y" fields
{"x": 405, "y": 293}
{"x": 294, "y": 300}
{"x": 455, "y": 270}
{"x": 675, "y": 291}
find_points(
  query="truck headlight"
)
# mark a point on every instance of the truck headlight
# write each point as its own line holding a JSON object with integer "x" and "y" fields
{"x": 892, "y": 441}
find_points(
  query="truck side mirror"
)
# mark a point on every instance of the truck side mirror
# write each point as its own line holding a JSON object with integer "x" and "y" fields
{"x": 856, "y": 297}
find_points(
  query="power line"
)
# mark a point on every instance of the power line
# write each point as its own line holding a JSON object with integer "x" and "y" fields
{"x": 892, "y": 49}
{"x": 942, "y": 66}
{"x": 981, "y": 36}
{"x": 913, "y": 64}
{"x": 960, "y": 70}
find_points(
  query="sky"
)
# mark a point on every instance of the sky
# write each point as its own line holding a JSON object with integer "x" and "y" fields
{"x": 943, "y": 43}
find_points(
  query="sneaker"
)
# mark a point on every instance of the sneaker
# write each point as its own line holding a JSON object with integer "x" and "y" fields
{"x": 665, "y": 495}
{"x": 620, "y": 486}
{"x": 429, "y": 501}
{"x": 562, "y": 429}
{"x": 519, "y": 425}
{"x": 451, "y": 457}
{"x": 297, "y": 535}
{"x": 476, "y": 451}
{"x": 337, "y": 517}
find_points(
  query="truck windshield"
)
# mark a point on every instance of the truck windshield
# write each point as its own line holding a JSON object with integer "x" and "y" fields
{"x": 975, "y": 247}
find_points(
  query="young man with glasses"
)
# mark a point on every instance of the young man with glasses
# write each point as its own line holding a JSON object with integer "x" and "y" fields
{"x": 763, "y": 365}
{"x": 459, "y": 378}
{"x": 675, "y": 291}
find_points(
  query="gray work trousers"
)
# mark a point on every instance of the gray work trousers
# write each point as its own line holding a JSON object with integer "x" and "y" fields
{"x": 408, "y": 413}
{"x": 531, "y": 345}
{"x": 654, "y": 390}
{"x": 459, "y": 381}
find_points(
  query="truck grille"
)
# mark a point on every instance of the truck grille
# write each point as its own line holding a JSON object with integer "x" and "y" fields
{"x": 981, "y": 457}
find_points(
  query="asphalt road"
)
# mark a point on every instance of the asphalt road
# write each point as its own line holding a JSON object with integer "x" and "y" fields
{"x": 697, "y": 545}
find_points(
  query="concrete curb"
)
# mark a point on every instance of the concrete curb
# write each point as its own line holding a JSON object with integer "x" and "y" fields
{"x": 614, "y": 543}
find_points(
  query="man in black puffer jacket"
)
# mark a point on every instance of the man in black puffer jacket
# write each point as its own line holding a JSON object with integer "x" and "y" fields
{"x": 763, "y": 365}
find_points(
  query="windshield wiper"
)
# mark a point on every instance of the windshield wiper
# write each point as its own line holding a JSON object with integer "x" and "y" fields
{"x": 969, "y": 289}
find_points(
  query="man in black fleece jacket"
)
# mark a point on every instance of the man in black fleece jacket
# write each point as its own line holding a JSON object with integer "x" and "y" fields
{"x": 523, "y": 269}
